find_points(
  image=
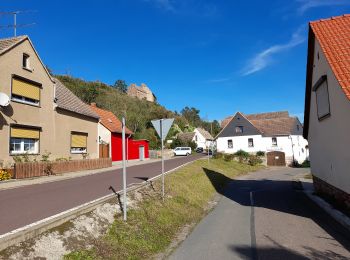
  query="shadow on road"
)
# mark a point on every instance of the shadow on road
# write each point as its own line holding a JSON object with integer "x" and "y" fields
{"x": 279, "y": 195}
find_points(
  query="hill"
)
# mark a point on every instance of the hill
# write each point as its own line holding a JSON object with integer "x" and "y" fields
{"x": 138, "y": 113}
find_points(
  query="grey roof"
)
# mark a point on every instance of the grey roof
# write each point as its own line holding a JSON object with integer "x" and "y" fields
{"x": 205, "y": 133}
{"x": 65, "y": 99}
{"x": 7, "y": 43}
{"x": 186, "y": 137}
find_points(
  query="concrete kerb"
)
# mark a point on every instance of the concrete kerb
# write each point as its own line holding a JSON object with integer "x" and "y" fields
{"x": 32, "y": 230}
{"x": 334, "y": 213}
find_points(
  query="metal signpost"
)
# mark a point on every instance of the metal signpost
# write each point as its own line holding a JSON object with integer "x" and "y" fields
{"x": 124, "y": 169}
{"x": 162, "y": 127}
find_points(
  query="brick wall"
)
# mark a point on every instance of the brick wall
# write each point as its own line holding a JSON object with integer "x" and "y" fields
{"x": 338, "y": 197}
{"x": 36, "y": 169}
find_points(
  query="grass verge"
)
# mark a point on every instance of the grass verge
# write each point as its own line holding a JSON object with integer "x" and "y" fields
{"x": 153, "y": 224}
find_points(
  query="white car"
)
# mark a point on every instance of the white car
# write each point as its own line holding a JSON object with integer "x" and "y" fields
{"x": 182, "y": 151}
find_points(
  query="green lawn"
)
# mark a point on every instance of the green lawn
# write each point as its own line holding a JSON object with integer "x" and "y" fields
{"x": 153, "y": 225}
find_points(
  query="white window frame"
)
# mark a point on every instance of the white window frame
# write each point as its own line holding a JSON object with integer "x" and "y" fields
{"x": 21, "y": 142}
{"x": 26, "y": 60}
{"x": 25, "y": 100}
{"x": 78, "y": 150}
{"x": 239, "y": 129}
{"x": 228, "y": 144}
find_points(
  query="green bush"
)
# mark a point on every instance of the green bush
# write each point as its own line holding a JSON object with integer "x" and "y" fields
{"x": 260, "y": 153}
{"x": 254, "y": 160}
{"x": 242, "y": 156}
{"x": 228, "y": 157}
{"x": 218, "y": 155}
{"x": 306, "y": 164}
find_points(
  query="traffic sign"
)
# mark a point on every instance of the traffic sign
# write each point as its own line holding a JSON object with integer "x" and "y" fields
{"x": 162, "y": 126}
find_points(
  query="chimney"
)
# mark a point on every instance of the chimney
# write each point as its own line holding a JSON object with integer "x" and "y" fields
{"x": 93, "y": 104}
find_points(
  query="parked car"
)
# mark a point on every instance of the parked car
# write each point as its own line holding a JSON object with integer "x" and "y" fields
{"x": 199, "y": 150}
{"x": 182, "y": 151}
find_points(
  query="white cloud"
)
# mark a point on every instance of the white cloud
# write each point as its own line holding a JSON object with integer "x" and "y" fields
{"x": 264, "y": 58}
{"x": 167, "y": 5}
{"x": 220, "y": 80}
{"x": 309, "y": 4}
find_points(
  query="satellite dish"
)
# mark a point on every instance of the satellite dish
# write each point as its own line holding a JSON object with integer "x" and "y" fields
{"x": 4, "y": 100}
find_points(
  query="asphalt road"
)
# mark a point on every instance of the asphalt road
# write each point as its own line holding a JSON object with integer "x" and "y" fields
{"x": 24, "y": 205}
{"x": 264, "y": 216}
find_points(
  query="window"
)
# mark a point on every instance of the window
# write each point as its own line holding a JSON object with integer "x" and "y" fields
{"x": 250, "y": 142}
{"x": 239, "y": 129}
{"x": 196, "y": 138}
{"x": 78, "y": 142}
{"x": 24, "y": 140}
{"x": 25, "y": 91}
{"x": 322, "y": 97}
{"x": 274, "y": 141}
{"x": 229, "y": 144}
{"x": 26, "y": 61}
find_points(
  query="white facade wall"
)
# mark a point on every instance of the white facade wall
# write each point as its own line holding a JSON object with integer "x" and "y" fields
{"x": 329, "y": 139}
{"x": 284, "y": 144}
{"x": 105, "y": 136}
{"x": 201, "y": 141}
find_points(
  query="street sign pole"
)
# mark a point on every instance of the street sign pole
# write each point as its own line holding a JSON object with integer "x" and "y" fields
{"x": 162, "y": 126}
{"x": 162, "y": 153}
{"x": 124, "y": 169}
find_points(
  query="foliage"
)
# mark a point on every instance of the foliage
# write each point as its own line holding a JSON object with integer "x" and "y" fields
{"x": 228, "y": 157}
{"x": 260, "y": 153}
{"x": 154, "y": 223}
{"x": 121, "y": 85}
{"x": 180, "y": 143}
{"x": 17, "y": 158}
{"x": 218, "y": 155}
{"x": 4, "y": 175}
{"x": 138, "y": 113}
{"x": 242, "y": 156}
{"x": 85, "y": 156}
{"x": 45, "y": 157}
{"x": 254, "y": 160}
{"x": 304, "y": 164}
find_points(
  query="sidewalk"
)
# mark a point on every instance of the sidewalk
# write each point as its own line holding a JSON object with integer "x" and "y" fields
{"x": 11, "y": 184}
{"x": 308, "y": 189}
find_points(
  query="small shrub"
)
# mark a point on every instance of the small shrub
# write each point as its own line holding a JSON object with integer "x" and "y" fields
{"x": 242, "y": 156}
{"x": 85, "y": 156}
{"x": 4, "y": 175}
{"x": 260, "y": 153}
{"x": 254, "y": 160}
{"x": 62, "y": 159}
{"x": 228, "y": 157}
{"x": 218, "y": 155}
{"x": 45, "y": 157}
{"x": 306, "y": 164}
{"x": 17, "y": 158}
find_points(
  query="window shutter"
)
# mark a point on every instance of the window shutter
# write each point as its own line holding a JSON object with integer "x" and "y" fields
{"x": 17, "y": 132}
{"x": 79, "y": 140}
{"x": 25, "y": 89}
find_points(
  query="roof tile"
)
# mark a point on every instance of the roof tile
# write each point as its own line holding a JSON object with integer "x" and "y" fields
{"x": 333, "y": 35}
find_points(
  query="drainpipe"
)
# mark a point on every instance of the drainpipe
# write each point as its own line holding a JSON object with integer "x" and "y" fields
{"x": 291, "y": 140}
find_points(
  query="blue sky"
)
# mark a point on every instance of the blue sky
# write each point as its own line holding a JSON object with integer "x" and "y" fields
{"x": 218, "y": 56}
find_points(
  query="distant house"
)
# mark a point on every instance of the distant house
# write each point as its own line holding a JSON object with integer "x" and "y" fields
{"x": 110, "y": 138}
{"x": 43, "y": 115}
{"x": 141, "y": 92}
{"x": 327, "y": 106}
{"x": 276, "y": 133}
{"x": 200, "y": 136}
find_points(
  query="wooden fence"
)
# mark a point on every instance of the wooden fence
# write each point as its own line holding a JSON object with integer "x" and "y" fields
{"x": 36, "y": 169}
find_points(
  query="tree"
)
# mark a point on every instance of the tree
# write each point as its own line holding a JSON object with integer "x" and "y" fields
{"x": 121, "y": 85}
{"x": 192, "y": 116}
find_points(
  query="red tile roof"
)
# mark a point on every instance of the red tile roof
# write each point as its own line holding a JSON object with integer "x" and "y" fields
{"x": 333, "y": 35}
{"x": 109, "y": 120}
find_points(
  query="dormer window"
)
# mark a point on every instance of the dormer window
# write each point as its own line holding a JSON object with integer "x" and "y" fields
{"x": 26, "y": 61}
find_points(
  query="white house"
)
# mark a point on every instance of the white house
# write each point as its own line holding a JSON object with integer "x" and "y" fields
{"x": 267, "y": 132}
{"x": 327, "y": 106}
{"x": 200, "y": 136}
